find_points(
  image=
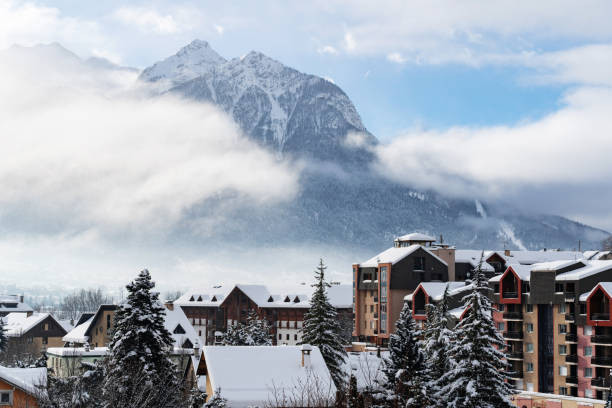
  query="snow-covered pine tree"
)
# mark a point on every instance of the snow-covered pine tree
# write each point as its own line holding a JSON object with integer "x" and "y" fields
{"x": 3, "y": 339}
{"x": 322, "y": 328}
{"x": 404, "y": 368}
{"x": 353, "y": 394}
{"x": 258, "y": 330}
{"x": 477, "y": 378}
{"x": 216, "y": 401}
{"x": 438, "y": 339}
{"x": 139, "y": 370}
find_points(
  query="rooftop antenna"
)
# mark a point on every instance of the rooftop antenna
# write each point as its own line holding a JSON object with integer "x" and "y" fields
{"x": 579, "y": 246}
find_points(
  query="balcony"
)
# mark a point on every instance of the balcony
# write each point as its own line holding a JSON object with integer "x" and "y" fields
{"x": 602, "y": 339}
{"x": 600, "y": 316}
{"x": 571, "y": 338}
{"x": 514, "y": 355}
{"x": 419, "y": 312}
{"x": 513, "y": 316}
{"x": 513, "y": 335}
{"x": 570, "y": 296}
{"x": 571, "y": 379}
{"x": 571, "y": 358}
{"x": 605, "y": 361}
{"x": 518, "y": 374}
{"x": 600, "y": 382}
{"x": 569, "y": 317}
{"x": 510, "y": 295}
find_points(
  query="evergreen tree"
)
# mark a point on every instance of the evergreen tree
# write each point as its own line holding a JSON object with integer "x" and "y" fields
{"x": 353, "y": 394}
{"x": 139, "y": 370}
{"x": 256, "y": 332}
{"x": 477, "y": 378}
{"x": 438, "y": 339}
{"x": 216, "y": 401}
{"x": 3, "y": 338}
{"x": 197, "y": 398}
{"x": 404, "y": 368}
{"x": 322, "y": 328}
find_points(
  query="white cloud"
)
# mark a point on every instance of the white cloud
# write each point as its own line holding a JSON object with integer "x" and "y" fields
{"x": 396, "y": 57}
{"x": 564, "y": 151}
{"x": 219, "y": 29}
{"x": 147, "y": 20}
{"x": 349, "y": 42}
{"x": 327, "y": 49}
{"x": 97, "y": 157}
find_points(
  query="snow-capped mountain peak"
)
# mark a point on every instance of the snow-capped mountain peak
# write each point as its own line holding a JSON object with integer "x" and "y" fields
{"x": 193, "y": 60}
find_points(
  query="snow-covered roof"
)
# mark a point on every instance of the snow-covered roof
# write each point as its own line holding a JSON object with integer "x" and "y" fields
{"x": 212, "y": 297}
{"x": 177, "y": 317}
{"x": 605, "y": 286}
{"x": 78, "y": 334}
{"x": 591, "y": 268}
{"x": 523, "y": 272}
{"x": 13, "y": 303}
{"x": 596, "y": 255}
{"x": 554, "y": 265}
{"x": 248, "y": 375}
{"x": 340, "y": 296}
{"x": 472, "y": 256}
{"x": 17, "y": 324}
{"x": 366, "y": 367}
{"x": 394, "y": 255}
{"x": 77, "y": 351}
{"x": 30, "y": 380}
{"x": 66, "y": 324}
{"x": 457, "y": 312}
{"x": 435, "y": 290}
{"x": 417, "y": 237}
{"x": 533, "y": 257}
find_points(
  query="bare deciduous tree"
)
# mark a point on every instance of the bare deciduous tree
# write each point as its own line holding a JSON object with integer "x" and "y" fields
{"x": 310, "y": 391}
{"x": 84, "y": 300}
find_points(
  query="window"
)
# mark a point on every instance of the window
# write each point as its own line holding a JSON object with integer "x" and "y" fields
{"x": 588, "y": 393}
{"x": 588, "y": 372}
{"x": 529, "y": 308}
{"x": 529, "y": 327}
{"x": 562, "y": 308}
{"x": 383, "y": 294}
{"x": 496, "y": 288}
{"x": 179, "y": 329}
{"x": 559, "y": 287}
{"x": 529, "y": 367}
{"x": 419, "y": 263}
{"x": 588, "y": 351}
{"x": 562, "y": 328}
{"x": 287, "y": 336}
{"x": 588, "y": 330}
{"x": 501, "y": 307}
{"x": 46, "y": 327}
{"x": 562, "y": 349}
{"x": 295, "y": 337}
{"x": 530, "y": 387}
{"x": 529, "y": 347}
{"x": 501, "y": 326}
{"x": 563, "y": 371}
{"x": 45, "y": 340}
{"x": 6, "y": 397}
{"x": 371, "y": 308}
{"x": 280, "y": 336}
{"x": 562, "y": 390}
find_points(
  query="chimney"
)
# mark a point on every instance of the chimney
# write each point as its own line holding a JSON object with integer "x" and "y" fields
{"x": 86, "y": 346}
{"x": 196, "y": 347}
{"x": 169, "y": 305}
{"x": 20, "y": 298}
{"x": 306, "y": 349}
{"x": 507, "y": 252}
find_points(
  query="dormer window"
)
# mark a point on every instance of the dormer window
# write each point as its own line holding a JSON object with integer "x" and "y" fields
{"x": 296, "y": 300}
{"x": 179, "y": 329}
{"x": 419, "y": 263}
{"x": 191, "y": 299}
{"x": 187, "y": 344}
{"x": 214, "y": 299}
{"x": 270, "y": 299}
{"x": 199, "y": 298}
{"x": 287, "y": 300}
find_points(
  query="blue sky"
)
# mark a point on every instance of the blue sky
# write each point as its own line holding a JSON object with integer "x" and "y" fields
{"x": 501, "y": 101}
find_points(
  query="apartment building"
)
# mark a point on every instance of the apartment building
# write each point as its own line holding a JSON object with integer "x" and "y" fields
{"x": 211, "y": 313}
{"x": 543, "y": 313}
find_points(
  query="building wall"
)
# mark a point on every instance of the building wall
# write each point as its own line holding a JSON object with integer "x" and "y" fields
{"x": 584, "y": 383}
{"x": 20, "y": 398}
{"x": 99, "y": 331}
{"x": 530, "y": 357}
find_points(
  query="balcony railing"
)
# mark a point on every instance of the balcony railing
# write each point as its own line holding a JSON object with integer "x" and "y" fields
{"x": 571, "y": 337}
{"x": 602, "y": 361}
{"x": 518, "y": 335}
{"x": 571, "y": 358}
{"x": 600, "y": 382}
{"x": 515, "y": 374}
{"x": 513, "y": 315}
{"x": 601, "y": 339}
{"x": 510, "y": 295}
{"x": 600, "y": 316}
{"x": 515, "y": 355}
{"x": 569, "y": 296}
{"x": 571, "y": 379}
{"x": 419, "y": 311}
